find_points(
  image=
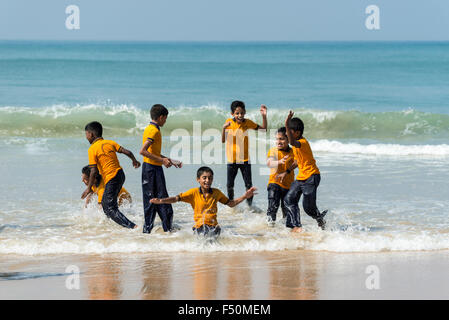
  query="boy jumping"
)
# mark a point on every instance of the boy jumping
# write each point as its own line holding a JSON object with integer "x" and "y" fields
{"x": 307, "y": 180}
{"x": 103, "y": 158}
{"x": 234, "y": 133}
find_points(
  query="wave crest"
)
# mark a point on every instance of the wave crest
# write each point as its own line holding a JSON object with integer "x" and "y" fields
{"x": 128, "y": 120}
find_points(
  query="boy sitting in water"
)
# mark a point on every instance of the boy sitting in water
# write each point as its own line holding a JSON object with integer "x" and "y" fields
{"x": 307, "y": 180}
{"x": 204, "y": 202}
{"x": 234, "y": 133}
{"x": 103, "y": 158}
{"x": 98, "y": 188}
{"x": 281, "y": 161}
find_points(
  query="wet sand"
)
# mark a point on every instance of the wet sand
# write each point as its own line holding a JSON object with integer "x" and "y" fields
{"x": 228, "y": 275}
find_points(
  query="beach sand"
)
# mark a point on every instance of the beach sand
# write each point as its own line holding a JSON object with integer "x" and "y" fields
{"x": 288, "y": 275}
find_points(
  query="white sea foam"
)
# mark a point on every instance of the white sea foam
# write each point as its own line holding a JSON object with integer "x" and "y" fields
{"x": 91, "y": 233}
{"x": 123, "y": 119}
{"x": 184, "y": 241}
{"x": 379, "y": 149}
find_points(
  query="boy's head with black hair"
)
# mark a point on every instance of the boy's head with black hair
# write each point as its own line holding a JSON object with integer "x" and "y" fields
{"x": 282, "y": 130}
{"x": 159, "y": 114}
{"x": 238, "y": 110}
{"x": 296, "y": 127}
{"x": 282, "y": 139}
{"x": 93, "y": 130}
{"x": 85, "y": 174}
{"x": 205, "y": 177}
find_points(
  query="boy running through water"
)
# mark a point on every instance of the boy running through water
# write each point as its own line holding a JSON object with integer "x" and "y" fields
{"x": 153, "y": 178}
{"x": 103, "y": 158}
{"x": 204, "y": 202}
{"x": 307, "y": 180}
{"x": 282, "y": 163}
{"x": 235, "y": 135}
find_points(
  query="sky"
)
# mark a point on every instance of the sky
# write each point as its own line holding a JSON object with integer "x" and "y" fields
{"x": 230, "y": 20}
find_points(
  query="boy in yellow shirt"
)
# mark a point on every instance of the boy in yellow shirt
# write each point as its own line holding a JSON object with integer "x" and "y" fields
{"x": 235, "y": 135}
{"x": 153, "y": 178}
{"x": 98, "y": 188}
{"x": 103, "y": 159}
{"x": 204, "y": 202}
{"x": 307, "y": 180}
{"x": 282, "y": 163}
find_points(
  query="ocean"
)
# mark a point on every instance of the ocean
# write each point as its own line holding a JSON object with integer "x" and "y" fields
{"x": 376, "y": 115}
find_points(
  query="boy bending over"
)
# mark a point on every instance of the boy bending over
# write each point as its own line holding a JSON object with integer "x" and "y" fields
{"x": 103, "y": 158}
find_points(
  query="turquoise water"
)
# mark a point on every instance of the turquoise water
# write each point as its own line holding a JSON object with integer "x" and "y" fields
{"x": 376, "y": 115}
{"x": 369, "y": 77}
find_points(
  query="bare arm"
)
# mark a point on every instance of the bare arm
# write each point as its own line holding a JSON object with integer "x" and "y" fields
{"x": 272, "y": 163}
{"x": 292, "y": 167}
{"x": 263, "y": 112}
{"x": 248, "y": 194}
{"x": 163, "y": 159}
{"x": 93, "y": 174}
{"x": 130, "y": 155}
{"x": 165, "y": 200}
{"x": 223, "y": 132}
{"x": 88, "y": 198}
{"x": 291, "y": 139}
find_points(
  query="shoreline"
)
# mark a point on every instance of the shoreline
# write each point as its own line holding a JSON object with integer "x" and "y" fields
{"x": 285, "y": 275}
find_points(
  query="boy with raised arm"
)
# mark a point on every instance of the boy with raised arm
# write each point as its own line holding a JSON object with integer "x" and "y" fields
{"x": 204, "y": 202}
{"x": 153, "y": 178}
{"x": 235, "y": 135}
{"x": 282, "y": 163}
{"x": 307, "y": 180}
{"x": 103, "y": 158}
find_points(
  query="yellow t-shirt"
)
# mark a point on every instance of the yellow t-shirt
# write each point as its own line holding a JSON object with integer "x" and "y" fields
{"x": 102, "y": 153}
{"x": 237, "y": 140}
{"x": 100, "y": 191}
{"x": 204, "y": 208}
{"x": 306, "y": 162}
{"x": 278, "y": 155}
{"x": 153, "y": 133}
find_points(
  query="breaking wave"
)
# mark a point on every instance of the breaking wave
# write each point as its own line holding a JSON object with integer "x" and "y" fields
{"x": 128, "y": 120}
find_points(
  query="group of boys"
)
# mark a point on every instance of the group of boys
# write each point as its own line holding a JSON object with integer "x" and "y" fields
{"x": 283, "y": 189}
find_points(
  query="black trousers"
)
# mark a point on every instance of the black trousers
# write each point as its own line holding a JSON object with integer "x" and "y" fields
{"x": 232, "y": 170}
{"x": 153, "y": 186}
{"x": 307, "y": 188}
{"x": 109, "y": 201}
{"x": 276, "y": 195}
